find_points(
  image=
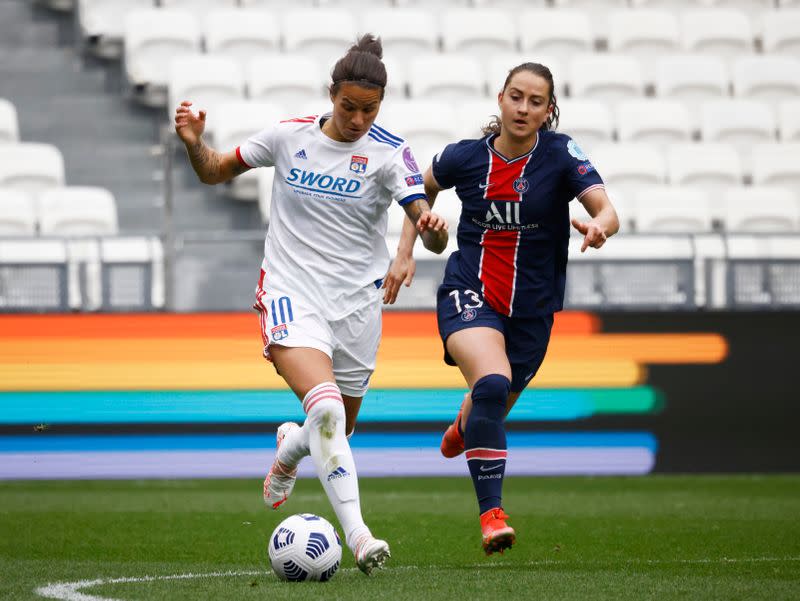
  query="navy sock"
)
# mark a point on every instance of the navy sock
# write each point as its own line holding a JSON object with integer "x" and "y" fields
{"x": 485, "y": 439}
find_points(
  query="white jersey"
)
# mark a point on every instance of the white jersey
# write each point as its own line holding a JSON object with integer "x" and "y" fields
{"x": 327, "y": 222}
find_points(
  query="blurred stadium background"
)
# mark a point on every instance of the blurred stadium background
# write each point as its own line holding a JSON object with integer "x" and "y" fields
{"x": 126, "y": 346}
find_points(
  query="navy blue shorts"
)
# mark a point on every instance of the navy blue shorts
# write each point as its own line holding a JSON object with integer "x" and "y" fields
{"x": 526, "y": 338}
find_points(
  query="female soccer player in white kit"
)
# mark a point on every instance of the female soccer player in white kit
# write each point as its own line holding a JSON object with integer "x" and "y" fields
{"x": 325, "y": 263}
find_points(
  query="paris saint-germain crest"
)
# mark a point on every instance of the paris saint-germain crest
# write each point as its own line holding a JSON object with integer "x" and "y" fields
{"x": 358, "y": 164}
{"x": 468, "y": 314}
{"x": 521, "y": 185}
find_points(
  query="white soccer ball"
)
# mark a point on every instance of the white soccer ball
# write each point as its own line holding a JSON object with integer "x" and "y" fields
{"x": 305, "y": 547}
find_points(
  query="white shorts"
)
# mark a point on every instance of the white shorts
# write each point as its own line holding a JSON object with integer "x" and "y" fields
{"x": 351, "y": 342}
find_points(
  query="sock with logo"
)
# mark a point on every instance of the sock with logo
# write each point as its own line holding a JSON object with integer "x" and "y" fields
{"x": 332, "y": 457}
{"x": 485, "y": 439}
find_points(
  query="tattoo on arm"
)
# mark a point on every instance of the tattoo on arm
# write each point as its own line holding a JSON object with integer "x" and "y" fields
{"x": 415, "y": 209}
{"x": 205, "y": 161}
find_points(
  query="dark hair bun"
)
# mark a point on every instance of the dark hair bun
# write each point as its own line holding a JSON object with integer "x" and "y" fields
{"x": 368, "y": 43}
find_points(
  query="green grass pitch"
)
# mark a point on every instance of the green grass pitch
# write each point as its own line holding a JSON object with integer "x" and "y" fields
{"x": 657, "y": 537}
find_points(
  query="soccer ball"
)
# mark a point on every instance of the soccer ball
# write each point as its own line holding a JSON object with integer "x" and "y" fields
{"x": 305, "y": 547}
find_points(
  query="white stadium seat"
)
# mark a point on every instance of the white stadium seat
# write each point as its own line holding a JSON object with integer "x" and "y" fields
{"x": 770, "y": 78}
{"x": 653, "y": 121}
{"x": 782, "y": 32}
{"x": 207, "y": 81}
{"x": 498, "y": 66}
{"x": 420, "y": 122}
{"x": 626, "y": 167}
{"x": 9, "y": 122}
{"x": 31, "y": 167}
{"x": 446, "y": 77}
{"x": 723, "y": 32}
{"x": 29, "y": 271}
{"x": 77, "y": 211}
{"x": 285, "y": 79}
{"x": 560, "y": 33}
{"x": 606, "y": 77}
{"x": 625, "y": 208}
{"x": 396, "y": 78}
{"x": 465, "y": 31}
{"x": 241, "y": 34}
{"x": 234, "y": 122}
{"x": 777, "y": 164}
{"x": 404, "y": 32}
{"x": 769, "y": 209}
{"x": 274, "y": 4}
{"x": 739, "y": 122}
{"x": 789, "y": 120}
{"x": 673, "y": 209}
{"x": 123, "y": 258}
{"x": 152, "y": 39}
{"x": 712, "y": 166}
{"x": 17, "y": 213}
{"x": 691, "y": 77}
{"x": 321, "y": 33}
{"x": 198, "y": 5}
{"x": 472, "y": 115}
{"x": 102, "y": 24}
{"x": 590, "y": 122}
{"x": 643, "y": 33}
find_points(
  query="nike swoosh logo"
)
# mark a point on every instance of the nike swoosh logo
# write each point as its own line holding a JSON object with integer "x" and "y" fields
{"x": 489, "y": 468}
{"x": 484, "y": 186}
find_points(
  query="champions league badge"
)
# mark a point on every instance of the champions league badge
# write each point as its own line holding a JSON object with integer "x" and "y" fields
{"x": 280, "y": 332}
{"x": 521, "y": 185}
{"x": 409, "y": 160}
{"x": 468, "y": 314}
{"x": 358, "y": 164}
{"x": 575, "y": 151}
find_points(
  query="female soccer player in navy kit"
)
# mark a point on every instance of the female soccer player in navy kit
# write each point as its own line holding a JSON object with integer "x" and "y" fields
{"x": 500, "y": 289}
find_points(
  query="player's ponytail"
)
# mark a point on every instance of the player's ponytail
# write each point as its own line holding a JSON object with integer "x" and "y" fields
{"x": 493, "y": 127}
{"x": 361, "y": 65}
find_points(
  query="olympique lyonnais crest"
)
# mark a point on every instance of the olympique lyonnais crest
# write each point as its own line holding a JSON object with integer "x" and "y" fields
{"x": 358, "y": 164}
{"x": 280, "y": 332}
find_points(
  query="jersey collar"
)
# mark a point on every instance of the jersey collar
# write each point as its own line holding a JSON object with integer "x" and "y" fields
{"x": 490, "y": 144}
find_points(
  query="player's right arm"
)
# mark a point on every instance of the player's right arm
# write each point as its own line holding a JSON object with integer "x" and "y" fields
{"x": 212, "y": 167}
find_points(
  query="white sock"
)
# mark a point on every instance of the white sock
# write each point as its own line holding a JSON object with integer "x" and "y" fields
{"x": 294, "y": 447}
{"x": 333, "y": 458}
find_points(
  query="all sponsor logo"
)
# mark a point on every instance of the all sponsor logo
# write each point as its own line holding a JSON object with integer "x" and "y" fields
{"x": 521, "y": 185}
{"x": 414, "y": 180}
{"x": 408, "y": 159}
{"x": 358, "y": 164}
{"x": 468, "y": 314}
{"x": 280, "y": 332}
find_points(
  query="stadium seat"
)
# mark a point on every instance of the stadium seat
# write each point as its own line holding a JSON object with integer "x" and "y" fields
{"x": 132, "y": 273}
{"x": 710, "y": 166}
{"x": 404, "y": 32}
{"x": 465, "y": 31}
{"x": 691, "y": 77}
{"x": 274, "y": 4}
{"x": 777, "y": 164}
{"x": 285, "y": 80}
{"x": 17, "y": 213}
{"x": 767, "y": 209}
{"x": 626, "y": 212}
{"x": 722, "y": 32}
{"x": 241, "y": 34}
{"x": 559, "y": 33}
{"x": 673, "y": 209}
{"x": 769, "y": 78}
{"x": 9, "y": 123}
{"x": 738, "y": 122}
{"x": 207, "y": 81}
{"x": 77, "y": 211}
{"x": 653, "y": 121}
{"x": 605, "y": 77}
{"x": 446, "y": 77}
{"x": 626, "y": 167}
{"x": 152, "y": 39}
{"x": 419, "y": 122}
{"x": 472, "y": 115}
{"x": 789, "y": 120}
{"x": 31, "y": 167}
{"x": 781, "y": 33}
{"x": 198, "y": 5}
{"x": 424, "y": 153}
{"x": 590, "y": 122}
{"x": 498, "y": 66}
{"x": 33, "y": 275}
{"x": 396, "y": 79}
{"x": 643, "y": 33}
{"x": 234, "y": 122}
{"x": 320, "y": 33}
{"x": 102, "y": 24}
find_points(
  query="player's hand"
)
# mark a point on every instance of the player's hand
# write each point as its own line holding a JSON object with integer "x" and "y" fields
{"x": 188, "y": 125}
{"x": 431, "y": 222}
{"x": 593, "y": 234}
{"x": 401, "y": 271}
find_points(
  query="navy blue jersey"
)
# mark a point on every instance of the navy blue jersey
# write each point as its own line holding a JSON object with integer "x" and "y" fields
{"x": 514, "y": 228}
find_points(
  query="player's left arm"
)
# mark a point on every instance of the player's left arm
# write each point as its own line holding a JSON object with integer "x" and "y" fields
{"x": 604, "y": 222}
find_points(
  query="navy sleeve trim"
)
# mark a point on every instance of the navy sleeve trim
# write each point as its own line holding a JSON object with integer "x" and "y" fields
{"x": 409, "y": 199}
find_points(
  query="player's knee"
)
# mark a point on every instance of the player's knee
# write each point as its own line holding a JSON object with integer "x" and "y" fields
{"x": 489, "y": 396}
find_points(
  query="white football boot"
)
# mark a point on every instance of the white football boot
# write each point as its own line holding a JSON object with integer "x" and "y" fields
{"x": 371, "y": 553}
{"x": 280, "y": 480}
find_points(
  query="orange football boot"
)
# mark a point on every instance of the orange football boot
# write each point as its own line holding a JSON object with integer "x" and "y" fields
{"x": 497, "y": 535}
{"x": 452, "y": 441}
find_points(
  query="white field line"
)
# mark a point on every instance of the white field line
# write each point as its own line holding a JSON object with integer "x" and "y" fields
{"x": 70, "y": 591}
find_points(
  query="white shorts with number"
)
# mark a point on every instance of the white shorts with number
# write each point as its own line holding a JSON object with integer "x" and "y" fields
{"x": 351, "y": 342}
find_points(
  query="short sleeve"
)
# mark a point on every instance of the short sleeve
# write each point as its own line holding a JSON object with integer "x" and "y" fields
{"x": 443, "y": 167}
{"x": 581, "y": 174}
{"x": 259, "y": 150}
{"x": 402, "y": 177}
